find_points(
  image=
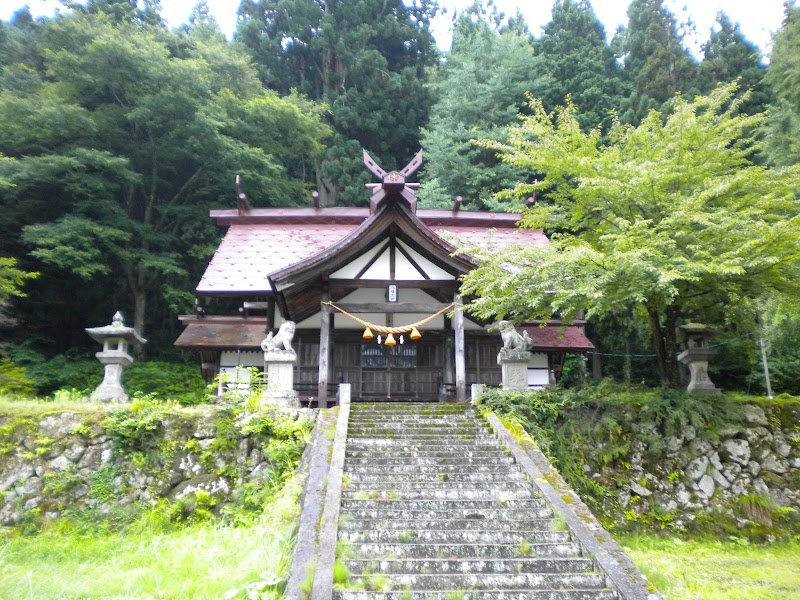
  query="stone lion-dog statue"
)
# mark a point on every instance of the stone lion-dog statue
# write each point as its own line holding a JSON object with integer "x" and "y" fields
{"x": 512, "y": 339}
{"x": 281, "y": 341}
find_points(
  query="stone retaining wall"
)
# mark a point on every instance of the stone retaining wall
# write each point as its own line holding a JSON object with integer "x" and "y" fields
{"x": 98, "y": 460}
{"x": 698, "y": 472}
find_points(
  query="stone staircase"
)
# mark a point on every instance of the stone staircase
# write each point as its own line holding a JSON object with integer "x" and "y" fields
{"x": 434, "y": 506}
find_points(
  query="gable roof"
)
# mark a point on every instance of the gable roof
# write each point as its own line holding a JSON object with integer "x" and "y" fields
{"x": 262, "y": 242}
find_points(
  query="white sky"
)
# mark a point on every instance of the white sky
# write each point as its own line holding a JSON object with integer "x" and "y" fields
{"x": 758, "y": 20}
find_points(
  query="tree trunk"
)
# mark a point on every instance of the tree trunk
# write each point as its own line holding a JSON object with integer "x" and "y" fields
{"x": 665, "y": 344}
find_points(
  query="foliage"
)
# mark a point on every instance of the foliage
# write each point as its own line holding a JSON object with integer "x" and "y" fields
{"x": 670, "y": 222}
{"x": 716, "y": 570}
{"x": 729, "y": 56}
{"x": 365, "y": 60}
{"x": 152, "y": 556}
{"x": 181, "y": 382}
{"x": 122, "y": 139}
{"x": 498, "y": 66}
{"x": 782, "y": 75}
{"x": 579, "y": 64}
{"x": 12, "y": 279}
{"x": 656, "y": 61}
{"x": 72, "y": 370}
{"x": 14, "y": 379}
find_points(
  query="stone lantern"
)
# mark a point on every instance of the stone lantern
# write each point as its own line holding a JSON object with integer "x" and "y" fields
{"x": 117, "y": 340}
{"x": 697, "y": 355}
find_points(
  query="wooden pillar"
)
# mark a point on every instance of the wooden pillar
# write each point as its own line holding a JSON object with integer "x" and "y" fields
{"x": 448, "y": 351}
{"x": 324, "y": 351}
{"x": 461, "y": 370}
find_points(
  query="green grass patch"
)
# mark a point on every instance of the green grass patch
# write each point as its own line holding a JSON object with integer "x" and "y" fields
{"x": 714, "y": 570}
{"x": 207, "y": 560}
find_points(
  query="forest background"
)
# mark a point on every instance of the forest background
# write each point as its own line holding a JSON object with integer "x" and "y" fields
{"x": 117, "y": 136}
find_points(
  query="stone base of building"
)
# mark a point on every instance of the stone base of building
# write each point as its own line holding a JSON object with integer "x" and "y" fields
{"x": 280, "y": 399}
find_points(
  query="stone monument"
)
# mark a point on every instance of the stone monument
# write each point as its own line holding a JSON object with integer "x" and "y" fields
{"x": 514, "y": 357}
{"x": 116, "y": 339}
{"x": 697, "y": 355}
{"x": 279, "y": 361}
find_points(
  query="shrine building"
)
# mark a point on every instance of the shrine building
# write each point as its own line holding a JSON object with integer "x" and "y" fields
{"x": 337, "y": 271}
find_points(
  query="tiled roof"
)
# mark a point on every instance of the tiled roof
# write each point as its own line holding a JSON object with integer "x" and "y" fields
{"x": 248, "y": 253}
{"x": 251, "y": 251}
{"x": 558, "y": 337}
{"x": 241, "y": 334}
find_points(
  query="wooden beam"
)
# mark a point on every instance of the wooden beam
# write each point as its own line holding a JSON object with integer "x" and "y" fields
{"x": 461, "y": 367}
{"x": 350, "y": 284}
{"x": 427, "y": 308}
{"x": 324, "y": 351}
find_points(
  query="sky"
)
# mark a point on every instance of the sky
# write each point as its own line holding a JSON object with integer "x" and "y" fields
{"x": 758, "y": 20}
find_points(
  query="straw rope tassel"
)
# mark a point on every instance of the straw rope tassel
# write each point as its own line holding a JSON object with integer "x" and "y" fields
{"x": 413, "y": 328}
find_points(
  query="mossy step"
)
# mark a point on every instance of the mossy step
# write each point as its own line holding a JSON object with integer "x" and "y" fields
{"x": 491, "y": 516}
{"x": 434, "y": 439}
{"x": 433, "y": 462}
{"x": 373, "y": 550}
{"x": 486, "y": 581}
{"x": 443, "y": 504}
{"x": 390, "y": 478}
{"x": 577, "y": 594}
{"x": 453, "y": 454}
{"x": 365, "y": 467}
{"x": 472, "y": 565}
{"x": 444, "y": 536}
{"x": 347, "y": 524}
{"x": 499, "y": 489}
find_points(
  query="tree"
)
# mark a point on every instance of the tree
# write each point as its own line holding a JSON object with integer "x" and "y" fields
{"x": 729, "y": 56}
{"x": 656, "y": 61}
{"x": 130, "y": 136}
{"x": 498, "y": 66}
{"x": 783, "y": 75}
{"x": 579, "y": 63}
{"x": 366, "y": 60}
{"x": 671, "y": 221}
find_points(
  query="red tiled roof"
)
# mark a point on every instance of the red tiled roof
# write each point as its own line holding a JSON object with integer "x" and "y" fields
{"x": 257, "y": 245}
{"x": 564, "y": 338}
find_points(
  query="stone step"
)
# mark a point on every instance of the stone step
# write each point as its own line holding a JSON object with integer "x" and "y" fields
{"x": 400, "y": 444}
{"x": 423, "y": 440}
{"x": 406, "y": 485}
{"x": 379, "y": 523}
{"x": 473, "y": 566}
{"x": 498, "y": 458}
{"x": 376, "y": 550}
{"x": 495, "y": 515}
{"x": 484, "y": 581}
{"x": 388, "y": 479}
{"x": 366, "y": 467}
{"x": 454, "y": 493}
{"x": 558, "y": 594}
{"x": 442, "y": 504}
{"x": 442, "y": 452}
{"x": 419, "y": 436}
{"x": 442, "y": 536}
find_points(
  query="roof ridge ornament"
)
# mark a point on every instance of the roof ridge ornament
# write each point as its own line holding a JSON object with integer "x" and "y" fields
{"x": 393, "y": 183}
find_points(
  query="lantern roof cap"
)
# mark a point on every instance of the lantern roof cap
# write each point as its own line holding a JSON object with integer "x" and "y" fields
{"x": 117, "y": 329}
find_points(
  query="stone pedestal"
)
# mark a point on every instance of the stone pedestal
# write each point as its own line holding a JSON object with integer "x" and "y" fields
{"x": 279, "y": 367}
{"x": 515, "y": 369}
{"x": 110, "y": 390}
{"x": 697, "y": 360}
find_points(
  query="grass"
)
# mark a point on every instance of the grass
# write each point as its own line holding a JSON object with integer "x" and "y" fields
{"x": 711, "y": 570}
{"x": 201, "y": 561}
